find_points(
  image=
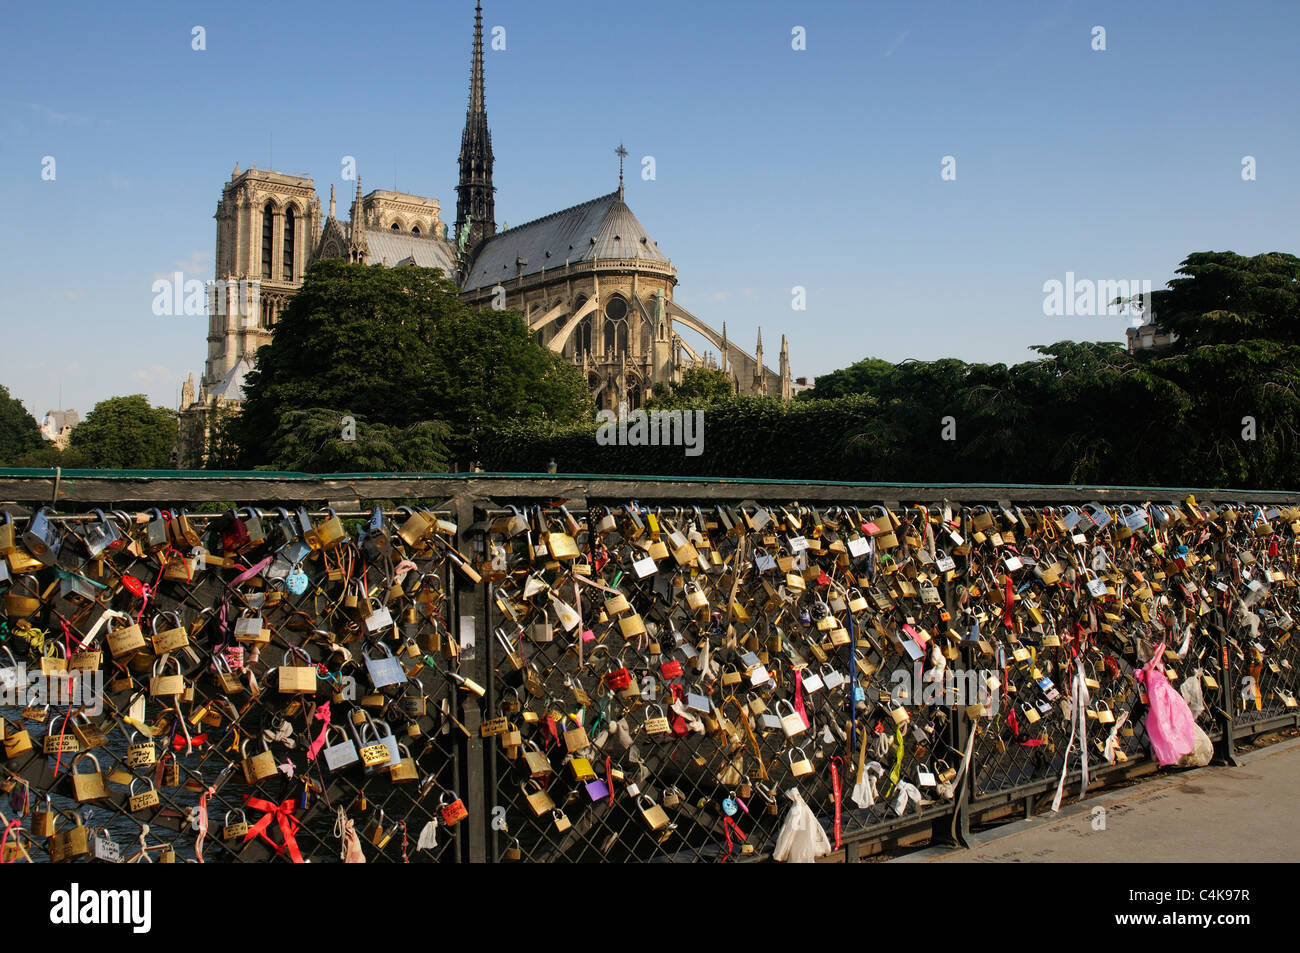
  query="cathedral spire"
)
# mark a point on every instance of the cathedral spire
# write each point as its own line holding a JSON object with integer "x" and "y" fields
{"x": 357, "y": 240}
{"x": 331, "y": 200}
{"x": 475, "y": 205}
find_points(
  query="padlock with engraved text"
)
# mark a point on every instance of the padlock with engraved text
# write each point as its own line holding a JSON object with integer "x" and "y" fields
{"x": 145, "y": 799}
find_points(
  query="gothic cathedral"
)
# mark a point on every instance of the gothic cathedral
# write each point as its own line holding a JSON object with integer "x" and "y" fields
{"x": 590, "y": 281}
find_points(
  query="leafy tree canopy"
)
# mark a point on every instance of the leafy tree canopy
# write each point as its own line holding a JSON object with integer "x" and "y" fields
{"x": 20, "y": 434}
{"x": 397, "y": 346}
{"x": 699, "y": 385}
{"x": 323, "y": 441}
{"x": 125, "y": 433}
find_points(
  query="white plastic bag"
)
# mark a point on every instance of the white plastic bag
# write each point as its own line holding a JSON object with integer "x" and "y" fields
{"x": 1191, "y": 692}
{"x": 801, "y": 839}
{"x": 1202, "y": 754}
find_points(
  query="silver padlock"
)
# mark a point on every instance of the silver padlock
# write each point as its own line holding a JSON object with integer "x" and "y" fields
{"x": 384, "y": 671}
{"x": 42, "y": 538}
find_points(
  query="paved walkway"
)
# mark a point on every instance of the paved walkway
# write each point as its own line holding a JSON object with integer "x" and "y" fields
{"x": 1213, "y": 814}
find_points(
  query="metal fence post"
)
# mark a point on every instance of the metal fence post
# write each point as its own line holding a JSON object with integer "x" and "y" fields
{"x": 1227, "y": 743}
{"x": 471, "y": 616}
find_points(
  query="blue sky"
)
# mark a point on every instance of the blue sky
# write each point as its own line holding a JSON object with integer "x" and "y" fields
{"x": 774, "y": 167}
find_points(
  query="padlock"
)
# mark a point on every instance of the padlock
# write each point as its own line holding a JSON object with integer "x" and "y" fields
{"x": 654, "y": 815}
{"x": 384, "y": 671}
{"x": 230, "y": 682}
{"x": 145, "y": 799}
{"x": 575, "y": 739}
{"x": 326, "y": 534}
{"x": 249, "y": 629}
{"x": 296, "y": 679}
{"x": 259, "y": 766}
{"x": 168, "y": 771}
{"x": 798, "y": 766}
{"x": 42, "y": 538}
{"x": 404, "y": 770}
{"x": 164, "y": 685}
{"x": 140, "y": 754}
{"x": 451, "y": 809}
{"x": 656, "y": 722}
{"x": 535, "y": 759}
{"x": 415, "y": 527}
{"x": 42, "y": 824}
{"x": 125, "y": 641}
{"x": 17, "y": 743}
{"x": 7, "y": 541}
{"x": 236, "y": 829}
{"x": 378, "y": 749}
{"x": 63, "y": 742}
{"x": 87, "y": 785}
{"x": 100, "y": 536}
{"x": 538, "y": 800}
{"x": 74, "y": 842}
{"x": 376, "y": 832}
{"x": 20, "y": 845}
{"x": 341, "y": 755}
{"x": 792, "y": 722}
{"x": 173, "y": 638}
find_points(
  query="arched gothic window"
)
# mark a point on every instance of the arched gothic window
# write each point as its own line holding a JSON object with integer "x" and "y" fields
{"x": 268, "y": 225}
{"x": 288, "y": 245}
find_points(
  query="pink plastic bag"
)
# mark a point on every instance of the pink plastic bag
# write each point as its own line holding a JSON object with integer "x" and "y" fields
{"x": 1170, "y": 725}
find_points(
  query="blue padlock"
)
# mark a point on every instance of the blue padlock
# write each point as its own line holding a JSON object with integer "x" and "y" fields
{"x": 296, "y": 581}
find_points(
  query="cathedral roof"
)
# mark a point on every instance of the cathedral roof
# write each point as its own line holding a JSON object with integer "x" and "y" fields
{"x": 603, "y": 227}
{"x": 387, "y": 247}
{"x": 232, "y": 385}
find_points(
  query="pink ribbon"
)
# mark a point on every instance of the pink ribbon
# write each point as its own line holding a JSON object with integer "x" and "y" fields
{"x": 322, "y": 714}
{"x": 12, "y": 826}
{"x": 201, "y": 822}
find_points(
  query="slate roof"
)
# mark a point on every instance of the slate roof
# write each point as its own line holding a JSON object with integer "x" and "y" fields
{"x": 232, "y": 385}
{"x": 603, "y": 227}
{"x": 387, "y": 247}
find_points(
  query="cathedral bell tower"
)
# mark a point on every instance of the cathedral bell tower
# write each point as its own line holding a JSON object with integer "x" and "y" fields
{"x": 475, "y": 204}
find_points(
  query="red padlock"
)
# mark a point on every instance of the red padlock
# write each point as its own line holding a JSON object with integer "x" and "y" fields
{"x": 234, "y": 535}
{"x": 671, "y": 669}
{"x": 452, "y": 809}
{"x": 618, "y": 679}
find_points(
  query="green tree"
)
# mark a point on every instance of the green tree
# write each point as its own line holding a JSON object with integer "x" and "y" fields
{"x": 125, "y": 433}
{"x": 20, "y": 434}
{"x": 321, "y": 441}
{"x": 1224, "y": 298}
{"x": 396, "y": 346}
{"x": 698, "y": 386}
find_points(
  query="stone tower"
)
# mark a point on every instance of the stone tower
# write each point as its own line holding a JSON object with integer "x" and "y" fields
{"x": 475, "y": 204}
{"x": 268, "y": 224}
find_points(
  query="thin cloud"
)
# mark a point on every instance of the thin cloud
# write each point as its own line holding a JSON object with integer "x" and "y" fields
{"x": 899, "y": 40}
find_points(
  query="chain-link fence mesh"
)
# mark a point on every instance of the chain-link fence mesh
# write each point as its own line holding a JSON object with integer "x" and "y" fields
{"x": 611, "y": 682}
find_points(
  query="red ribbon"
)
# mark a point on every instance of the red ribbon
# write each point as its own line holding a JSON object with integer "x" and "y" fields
{"x": 1008, "y": 614}
{"x": 283, "y": 813}
{"x": 552, "y": 734}
{"x": 798, "y": 698}
{"x": 728, "y": 825}
{"x": 836, "y": 785}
